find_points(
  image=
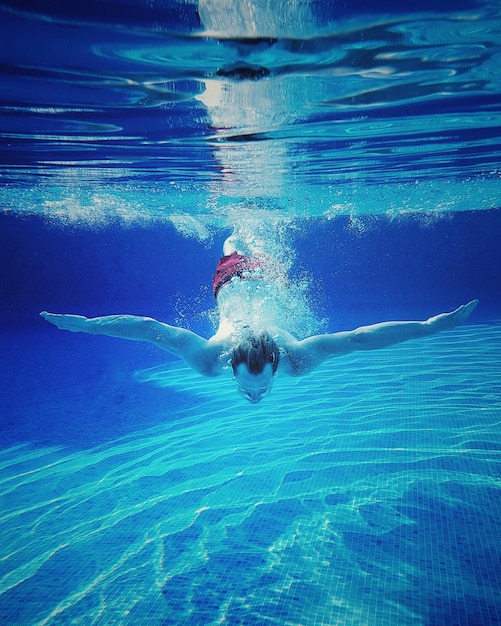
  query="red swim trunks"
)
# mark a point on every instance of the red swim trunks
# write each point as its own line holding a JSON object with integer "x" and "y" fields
{"x": 235, "y": 265}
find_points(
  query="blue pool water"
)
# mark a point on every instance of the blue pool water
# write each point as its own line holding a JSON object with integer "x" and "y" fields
{"x": 360, "y": 145}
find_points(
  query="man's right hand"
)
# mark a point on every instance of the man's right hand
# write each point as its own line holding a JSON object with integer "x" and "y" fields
{"x": 73, "y": 323}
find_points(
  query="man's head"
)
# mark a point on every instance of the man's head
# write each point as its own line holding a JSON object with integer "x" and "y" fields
{"x": 254, "y": 361}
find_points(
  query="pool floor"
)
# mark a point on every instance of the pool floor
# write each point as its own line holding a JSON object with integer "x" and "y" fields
{"x": 366, "y": 493}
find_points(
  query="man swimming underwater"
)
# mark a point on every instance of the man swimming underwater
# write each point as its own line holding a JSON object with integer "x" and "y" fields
{"x": 255, "y": 353}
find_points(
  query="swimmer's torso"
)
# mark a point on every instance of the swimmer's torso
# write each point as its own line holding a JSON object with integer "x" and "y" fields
{"x": 247, "y": 303}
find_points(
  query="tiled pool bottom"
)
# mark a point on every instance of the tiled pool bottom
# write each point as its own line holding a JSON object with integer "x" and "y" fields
{"x": 368, "y": 493}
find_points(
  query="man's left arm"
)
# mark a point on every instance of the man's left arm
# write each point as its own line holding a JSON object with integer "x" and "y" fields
{"x": 307, "y": 354}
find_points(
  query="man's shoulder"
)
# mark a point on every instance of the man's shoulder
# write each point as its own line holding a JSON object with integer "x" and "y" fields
{"x": 214, "y": 357}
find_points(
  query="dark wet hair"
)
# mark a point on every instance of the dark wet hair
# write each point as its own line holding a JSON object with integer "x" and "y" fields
{"x": 255, "y": 350}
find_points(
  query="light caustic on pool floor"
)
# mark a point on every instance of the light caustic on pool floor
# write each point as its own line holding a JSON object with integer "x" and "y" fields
{"x": 354, "y": 495}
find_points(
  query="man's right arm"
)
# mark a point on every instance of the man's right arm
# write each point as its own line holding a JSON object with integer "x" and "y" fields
{"x": 189, "y": 346}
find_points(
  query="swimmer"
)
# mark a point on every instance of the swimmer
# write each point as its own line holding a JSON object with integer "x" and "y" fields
{"x": 255, "y": 354}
